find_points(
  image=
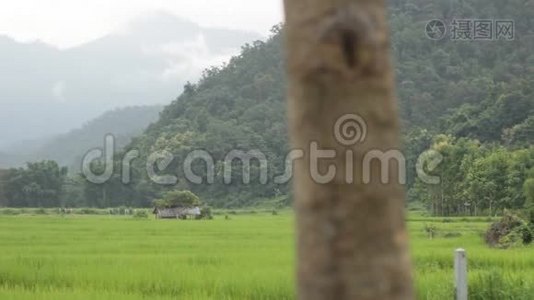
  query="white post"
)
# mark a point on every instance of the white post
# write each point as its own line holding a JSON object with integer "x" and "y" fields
{"x": 460, "y": 274}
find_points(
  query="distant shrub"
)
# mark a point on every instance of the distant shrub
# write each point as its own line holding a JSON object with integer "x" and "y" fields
{"x": 511, "y": 240}
{"x": 10, "y": 212}
{"x": 274, "y": 212}
{"x": 205, "y": 213}
{"x": 447, "y": 221}
{"x": 40, "y": 211}
{"x": 526, "y": 234}
{"x": 232, "y": 212}
{"x": 88, "y": 211}
{"x": 227, "y": 217}
{"x": 141, "y": 214}
{"x": 530, "y": 216}
{"x": 509, "y": 231}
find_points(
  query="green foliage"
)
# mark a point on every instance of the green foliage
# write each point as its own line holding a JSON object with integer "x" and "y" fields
{"x": 504, "y": 118}
{"x": 528, "y": 188}
{"x": 140, "y": 214}
{"x": 40, "y": 211}
{"x": 40, "y": 184}
{"x": 112, "y": 193}
{"x": 88, "y": 211}
{"x": 510, "y": 231}
{"x": 10, "y": 211}
{"x": 476, "y": 178}
{"x": 177, "y": 199}
{"x": 205, "y": 213}
{"x": 521, "y": 134}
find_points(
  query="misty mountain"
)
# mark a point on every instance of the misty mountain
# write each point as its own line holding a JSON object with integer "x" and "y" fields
{"x": 10, "y": 160}
{"x": 466, "y": 90}
{"x": 46, "y": 91}
{"x": 68, "y": 149}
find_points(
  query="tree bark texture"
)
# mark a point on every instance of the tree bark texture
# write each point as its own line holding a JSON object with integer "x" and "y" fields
{"x": 351, "y": 241}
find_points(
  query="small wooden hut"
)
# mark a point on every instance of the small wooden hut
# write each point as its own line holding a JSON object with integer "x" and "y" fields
{"x": 176, "y": 212}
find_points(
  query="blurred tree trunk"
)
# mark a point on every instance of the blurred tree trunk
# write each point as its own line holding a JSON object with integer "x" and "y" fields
{"x": 352, "y": 241}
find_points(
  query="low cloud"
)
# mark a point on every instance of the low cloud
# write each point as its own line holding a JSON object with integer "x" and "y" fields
{"x": 58, "y": 91}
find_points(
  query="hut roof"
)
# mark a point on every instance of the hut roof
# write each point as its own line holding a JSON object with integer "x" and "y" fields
{"x": 176, "y": 212}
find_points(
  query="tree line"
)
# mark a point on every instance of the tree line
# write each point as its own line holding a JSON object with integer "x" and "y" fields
{"x": 476, "y": 178}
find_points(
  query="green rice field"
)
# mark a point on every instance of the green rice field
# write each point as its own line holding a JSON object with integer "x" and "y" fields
{"x": 249, "y": 256}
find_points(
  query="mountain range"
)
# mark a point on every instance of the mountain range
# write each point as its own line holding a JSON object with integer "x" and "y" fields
{"x": 68, "y": 149}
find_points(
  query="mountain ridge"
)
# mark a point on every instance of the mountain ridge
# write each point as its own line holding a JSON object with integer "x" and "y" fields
{"x": 68, "y": 149}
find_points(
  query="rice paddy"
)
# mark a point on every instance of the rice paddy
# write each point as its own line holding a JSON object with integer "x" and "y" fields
{"x": 249, "y": 256}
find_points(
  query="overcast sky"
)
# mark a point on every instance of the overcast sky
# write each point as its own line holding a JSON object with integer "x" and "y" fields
{"x": 67, "y": 23}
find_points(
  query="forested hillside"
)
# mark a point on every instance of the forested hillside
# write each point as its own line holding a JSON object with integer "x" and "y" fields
{"x": 478, "y": 90}
{"x": 437, "y": 78}
{"x": 471, "y": 102}
{"x": 237, "y": 106}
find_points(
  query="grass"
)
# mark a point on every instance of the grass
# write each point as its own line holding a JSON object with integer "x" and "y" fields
{"x": 249, "y": 256}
